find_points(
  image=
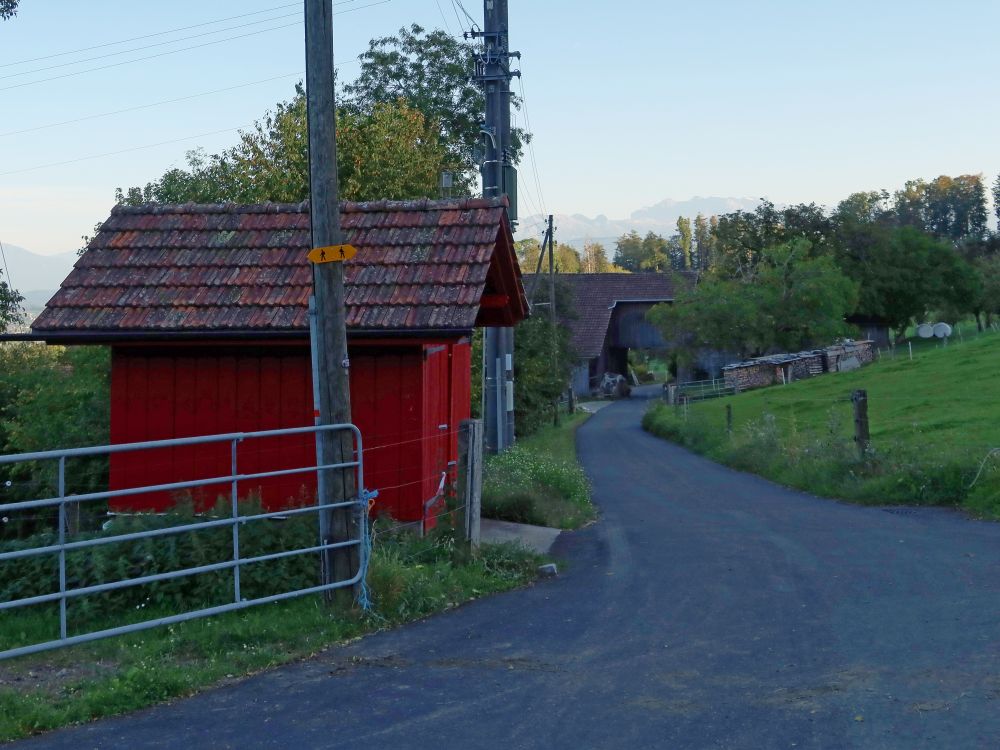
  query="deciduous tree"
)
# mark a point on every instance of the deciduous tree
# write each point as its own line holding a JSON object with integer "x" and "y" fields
{"x": 629, "y": 252}
{"x": 684, "y": 239}
{"x": 595, "y": 258}
{"x": 703, "y": 242}
{"x": 11, "y": 311}
{"x": 430, "y": 71}
{"x": 392, "y": 152}
{"x": 794, "y": 300}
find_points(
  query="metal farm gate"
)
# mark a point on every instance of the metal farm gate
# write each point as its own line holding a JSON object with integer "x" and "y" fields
{"x": 235, "y": 519}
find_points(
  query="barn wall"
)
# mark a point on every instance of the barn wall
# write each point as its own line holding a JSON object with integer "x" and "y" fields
{"x": 629, "y": 328}
{"x": 170, "y": 392}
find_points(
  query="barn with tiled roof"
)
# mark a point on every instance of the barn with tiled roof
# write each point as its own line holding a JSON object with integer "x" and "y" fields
{"x": 608, "y": 317}
{"x": 205, "y": 308}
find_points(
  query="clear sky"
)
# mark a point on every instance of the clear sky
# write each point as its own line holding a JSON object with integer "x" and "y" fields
{"x": 631, "y": 102}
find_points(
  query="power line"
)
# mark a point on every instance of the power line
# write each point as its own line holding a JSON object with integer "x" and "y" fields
{"x": 145, "y": 47}
{"x": 443, "y": 18}
{"x": 115, "y": 153}
{"x": 458, "y": 18}
{"x": 472, "y": 21}
{"x": 174, "y": 52}
{"x": 149, "y": 57}
{"x": 161, "y": 33}
{"x": 531, "y": 145}
{"x": 152, "y": 104}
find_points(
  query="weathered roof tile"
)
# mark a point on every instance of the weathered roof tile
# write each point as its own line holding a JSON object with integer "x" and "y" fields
{"x": 188, "y": 268}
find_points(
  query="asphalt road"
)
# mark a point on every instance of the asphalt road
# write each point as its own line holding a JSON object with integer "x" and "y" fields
{"x": 707, "y": 609}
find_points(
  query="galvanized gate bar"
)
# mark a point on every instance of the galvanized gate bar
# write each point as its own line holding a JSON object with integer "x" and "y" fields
{"x": 169, "y": 530}
{"x": 236, "y": 562}
{"x": 49, "y": 502}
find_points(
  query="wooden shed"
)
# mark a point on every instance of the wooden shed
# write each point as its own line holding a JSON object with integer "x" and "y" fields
{"x": 205, "y": 308}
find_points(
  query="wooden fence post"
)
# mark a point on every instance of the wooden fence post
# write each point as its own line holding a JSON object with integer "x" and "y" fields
{"x": 729, "y": 419}
{"x": 861, "y": 434}
{"x": 470, "y": 478}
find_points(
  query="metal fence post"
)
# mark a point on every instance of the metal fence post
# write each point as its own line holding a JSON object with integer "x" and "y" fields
{"x": 470, "y": 480}
{"x": 861, "y": 433}
{"x": 62, "y": 550}
{"x": 236, "y": 527}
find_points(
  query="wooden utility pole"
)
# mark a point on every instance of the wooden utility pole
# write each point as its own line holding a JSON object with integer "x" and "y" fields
{"x": 499, "y": 178}
{"x": 552, "y": 314}
{"x": 332, "y": 363}
{"x": 470, "y": 478}
{"x": 861, "y": 434}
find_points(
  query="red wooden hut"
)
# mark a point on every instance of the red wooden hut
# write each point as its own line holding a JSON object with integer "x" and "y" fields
{"x": 205, "y": 308}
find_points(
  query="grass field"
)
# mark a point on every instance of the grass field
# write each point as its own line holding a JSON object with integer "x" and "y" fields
{"x": 934, "y": 421}
{"x": 539, "y": 481}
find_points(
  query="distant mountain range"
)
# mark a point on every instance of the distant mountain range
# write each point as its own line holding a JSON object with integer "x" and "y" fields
{"x": 576, "y": 229}
{"x": 36, "y": 276}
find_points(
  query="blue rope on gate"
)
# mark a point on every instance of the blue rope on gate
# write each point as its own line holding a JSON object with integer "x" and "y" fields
{"x": 364, "y": 504}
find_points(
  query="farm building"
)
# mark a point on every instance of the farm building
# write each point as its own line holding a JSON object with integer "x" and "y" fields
{"x": 205, "y": 308}
{"x": 608, "y": 317}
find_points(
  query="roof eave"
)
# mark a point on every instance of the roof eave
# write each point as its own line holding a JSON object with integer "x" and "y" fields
{"x": 112, "y": 337}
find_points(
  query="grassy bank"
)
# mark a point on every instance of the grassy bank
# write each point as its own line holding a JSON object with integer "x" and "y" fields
{"x": 410, "y": 578}
{"x": 539, "y": 481}
{"x": 934, "y": 421}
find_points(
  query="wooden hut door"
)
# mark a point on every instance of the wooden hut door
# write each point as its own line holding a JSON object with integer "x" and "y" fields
{"x": 437, "y": 402}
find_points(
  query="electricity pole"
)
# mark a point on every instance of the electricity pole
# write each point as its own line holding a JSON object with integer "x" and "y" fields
{"x": 330, "y": 356}
{"x": 499, "y": 178}
{"x": 552, "y": 312}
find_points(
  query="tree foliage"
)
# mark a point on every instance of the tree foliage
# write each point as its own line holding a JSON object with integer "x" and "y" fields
{"x": 634, "y": 253}
{"x": 11, "y": 311}
{"x": 567, "y": 259}
{"x": 951, "y": 208}
{"x": 8, "y": 9}
{"x": 903, "y": 273}
{"x": 542, "y": 369}
{"x": 684, "y": 236}
{"x": 52, "y": 397}
{"x": 391, "y": 152}
{"x": 430, "y": 71}
{"x": 595, "y": 259}
{"x": 794, "y": 300}
{"x": 996, "y": 198}
{"x": 704, "y": 242}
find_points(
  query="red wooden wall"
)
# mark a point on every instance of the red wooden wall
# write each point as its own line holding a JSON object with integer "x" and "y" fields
{"x": 407, "y": 398}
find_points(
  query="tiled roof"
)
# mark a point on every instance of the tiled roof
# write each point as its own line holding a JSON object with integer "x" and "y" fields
{"x": 595, "y": 294}
{"x": 421, "y": 265}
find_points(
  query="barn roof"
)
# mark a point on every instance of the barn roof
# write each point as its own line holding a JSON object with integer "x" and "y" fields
{"x": 174, "y": 270}
{"x": 595, "y": 295}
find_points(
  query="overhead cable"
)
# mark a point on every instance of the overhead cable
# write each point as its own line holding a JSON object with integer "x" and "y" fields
{"x": 148, "y": 106}
{"x": 115, "y": 153}
{"x": 161, "y": 33}
{"x": 174, "y": 52}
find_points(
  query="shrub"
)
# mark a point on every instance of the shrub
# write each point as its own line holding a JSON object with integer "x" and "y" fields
{"x": 526, "y": 486}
